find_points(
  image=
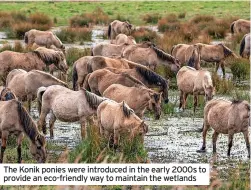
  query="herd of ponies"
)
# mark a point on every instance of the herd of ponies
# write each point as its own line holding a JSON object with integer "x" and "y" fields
{"x": 117, "y": 83}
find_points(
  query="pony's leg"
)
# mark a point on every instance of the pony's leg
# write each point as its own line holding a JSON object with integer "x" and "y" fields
{"x": 230, "y": 143}
{"x": 184, "y": 101}
{"x": 223, "y": 68}
{"x": 19, "y": 150}
{"x": 204, "y": 135}
{"x": 246, "y": 137}
{"x": 116, "y": 138}
{"x": 51, "y": 124}
{"x": 181, "y": 99}
{"x": 217, "y": 66}
{"x": 195, "y": 101}
{"x": 29, "y": 99}
{"x": 3, "y": 145}
{"x": 83, "y": 127}
{"x": 214, "y": 138}
{"x": 41, "y": 122}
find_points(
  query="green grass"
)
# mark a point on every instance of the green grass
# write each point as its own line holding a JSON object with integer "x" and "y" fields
{"x": 133, "y": 11}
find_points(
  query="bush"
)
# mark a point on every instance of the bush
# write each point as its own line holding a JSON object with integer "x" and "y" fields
{"x": 151, "y": 18}
{"x": 73, "y": 54}
{"x": 40, "y": 19}
{"x": 145, "y": 34}
{"x": 202, "y": 18}
{"x": 74, "y": 34}
{"x": 182, "y": 15}
{"x": 240, "y": 69}
{"x": 222, "y": 86}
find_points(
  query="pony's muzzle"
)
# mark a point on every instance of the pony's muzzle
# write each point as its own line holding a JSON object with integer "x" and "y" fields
{"x": 166, "y": 101}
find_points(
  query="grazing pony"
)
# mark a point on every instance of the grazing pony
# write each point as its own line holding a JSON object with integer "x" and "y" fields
{"x": 25, "y": 84}
{"x": 137, "y": 98}
{"x": 66, "y": 105}
{"x": 117, "y": 118}
{"x": 196, "y": 82}
{"x": 85, "y": 65}
{"x": 38, "y": 59}
{"x": 117, "y": 27}
{"x": 6, "y": 94}
{"x": 42, "y": 38}
{"x": 215, "y": 53}
{"x": 123, "y": 39}
{"x": 227, "y": 117}
{"x": 14, "y": 119}
{"x": 150, "y": 56}
{"x": 240, "y": 26}
{"x": 245, "y": 46}
{"x": 108, "y": 50}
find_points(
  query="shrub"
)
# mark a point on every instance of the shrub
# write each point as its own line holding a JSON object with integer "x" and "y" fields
{"x": 202, "y": 18}
{"x": 73, "y": 54}
{"x": 74, "y": 34}
{"x": 222, "y": 86}
{"x": 151, "y": 18}
{"x": 240, "y": 69}
{"x": 145, "y": 34}
{"x": 40, "y": 19}
{"x": 182, "y": 15}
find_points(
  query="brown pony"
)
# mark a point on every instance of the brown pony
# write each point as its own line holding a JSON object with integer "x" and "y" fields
{"x": 14, "y": 119}
{"x": 37, "y": 59}
{"x": 117, "y": 27}
{"x": 196, "y": 82}
{"x": 6, "y": 94}
{"x": 138, "y": 98}
{"x": 150, "y": 57}
{"x": 99, "y": 80}
{"x": 42, "y": 38}
{"x": 215, "y": 53}
{"x": 245, "y": 46}
{"x": 108, "y": 50}
{"x": 240, "y": 26}
{"x": 123, "y": 39}
{"x": 117, "y": 118}
{"x": 228, "y": 118}
{"x": 66, "y": 105}
{"x": 85, "y": 65}
{"x": 25, "y": 84}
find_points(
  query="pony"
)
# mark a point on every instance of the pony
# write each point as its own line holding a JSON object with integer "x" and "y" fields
{"x": 118, "y": 27}
{"x": 227, "y": 117}
{"x": 6, "y": 94}
{"x": 14, "y": 119}
{"x": 66, "y": 105}
{"x": 123, "y": 39}
{"x": 138, "y": 98}
{"x": 146, "y": 76}
{"x": 43, "y": 38}
{"x": 240, "y": 26}
{"x": 37, "y": 59}
{"x": 150, "y": 56}
{"x": 215, "y": 53}
{"x": 196, "y": 82}
{"x": 245, "y": 46}
{"x": 108, "y": 50}
{"x": 25, "y": 84}
{"x": 187, "y": 55}
{"x": 117, "y": 118}
{"x": 99, "y": 80}
{"x": 85, "y": 65}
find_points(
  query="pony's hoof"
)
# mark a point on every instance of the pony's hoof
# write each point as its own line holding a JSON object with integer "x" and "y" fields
{"x": 201, "y": 150}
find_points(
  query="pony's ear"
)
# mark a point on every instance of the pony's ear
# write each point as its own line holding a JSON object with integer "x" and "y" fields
{"x": 145, "y": 127}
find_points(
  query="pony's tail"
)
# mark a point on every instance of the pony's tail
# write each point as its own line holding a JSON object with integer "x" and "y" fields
{"x": 74, "y": 77}
{"x": 242, "y": 46}
{"x": 40, "y": 93}
{"x": 26, "y": 37}
{"x": 92, "y": 54}
{"x": 27, "y": 122}
{"x": 232, "y": 27}
{"x": 86, "y": 84}
{"x": 109, "y": 31}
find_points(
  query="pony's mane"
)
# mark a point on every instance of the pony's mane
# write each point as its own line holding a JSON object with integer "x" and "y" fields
{"x": 226, "y": 50}
{"x": 151, "y": 77}
{"x": 191, "y": 68}
{"x": 136, "y": 81}
{"x": 126, "y": 110}
{"x": 235, "y": 101}
{"x": 48, "y": 56}
{"x": 48, "y": 76}
{"x": 162, "y": 55}
{"x": 93, "y": 99}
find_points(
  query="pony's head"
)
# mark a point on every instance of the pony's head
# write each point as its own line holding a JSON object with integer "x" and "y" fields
{"x": 6, "y": 95}
{"x": 155, "y": 104}
{"x": 209, "y": 92}
{"x": 37, "y": 149}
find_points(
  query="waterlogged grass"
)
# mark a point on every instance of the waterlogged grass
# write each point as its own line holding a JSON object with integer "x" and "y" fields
{"x": 96, "y": 149}
{"x": 133, "y": 11}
